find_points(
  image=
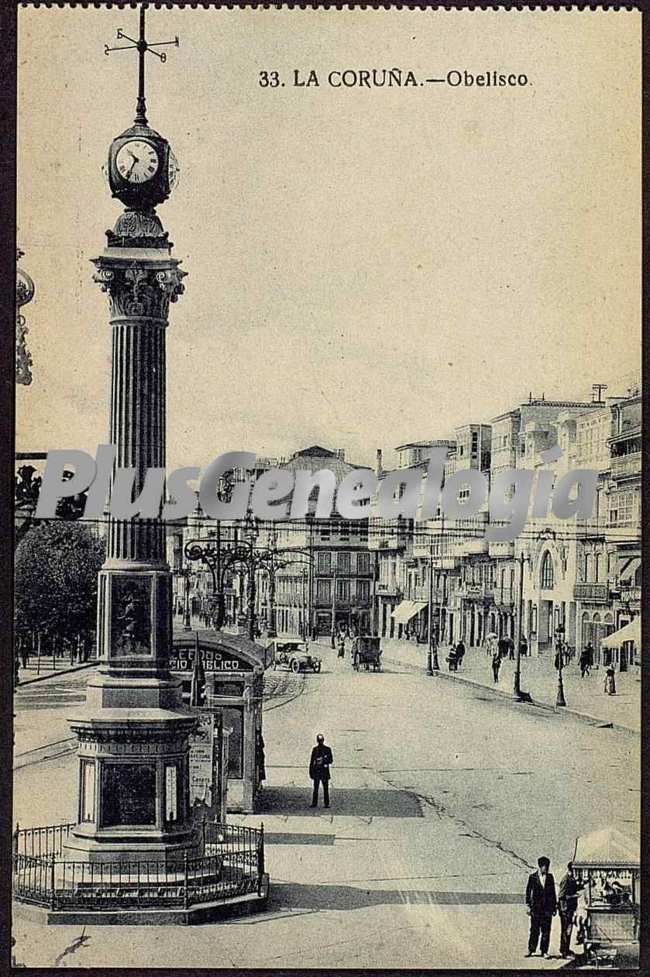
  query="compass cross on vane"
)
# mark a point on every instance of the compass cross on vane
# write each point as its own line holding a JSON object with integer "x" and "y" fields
{"x": 142, "y": 45}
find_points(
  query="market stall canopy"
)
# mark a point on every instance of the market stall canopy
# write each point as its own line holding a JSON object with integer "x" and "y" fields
{"x": 630, "y": 632}
{"x": 607, "y": 848}
{"x": 407, "y": 609}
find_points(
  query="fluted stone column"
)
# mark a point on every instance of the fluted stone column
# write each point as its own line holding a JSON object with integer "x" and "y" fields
{"x": 134, "y": 731}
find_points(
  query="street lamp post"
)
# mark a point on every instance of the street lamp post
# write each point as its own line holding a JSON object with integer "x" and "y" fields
{"x": 559, "y": 664}
{"x": 187, "y": 617}
{"x": 430, "y": 614}
{"x": 517, "y": 694}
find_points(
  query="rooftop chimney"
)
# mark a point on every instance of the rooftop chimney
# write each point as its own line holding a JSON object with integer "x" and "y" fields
{"x": 379, "y": 469}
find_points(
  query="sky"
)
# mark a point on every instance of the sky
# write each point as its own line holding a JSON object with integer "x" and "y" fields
{"x": 365, "y": 267}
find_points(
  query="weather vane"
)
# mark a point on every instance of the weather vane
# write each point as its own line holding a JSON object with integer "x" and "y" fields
{"x": 141, "y": 46}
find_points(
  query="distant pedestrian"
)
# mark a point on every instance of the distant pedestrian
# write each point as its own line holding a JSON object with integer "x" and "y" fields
{"x": 523, "y": 647}
{"x": 585, "y": 662}
{"x": 460, "y": 653}
{"x": 341, "y": 645}
{"x": 319, "y": 770}
{"x": 503, "y": 647}
{"x": 541, "y": 905}
{"x": 24, "y": 652}
{"x": 610, "y": 681}
{"x": 567, "y": 905}
{"x": 511, "y": 649}
{"x": 496, "y": 663}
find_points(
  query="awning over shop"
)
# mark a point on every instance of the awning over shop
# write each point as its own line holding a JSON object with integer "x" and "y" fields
{"x": 629, "y": 569}
{"x": 407, "y": 609}
{"x": 630, "y": 632}
{"x": 608, "y": 847}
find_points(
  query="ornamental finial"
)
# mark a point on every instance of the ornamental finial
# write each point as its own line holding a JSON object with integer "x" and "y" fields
{"x": 142, "y": 45}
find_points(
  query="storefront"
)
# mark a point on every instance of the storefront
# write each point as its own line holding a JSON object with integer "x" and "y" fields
{"x": 234, "y": 675}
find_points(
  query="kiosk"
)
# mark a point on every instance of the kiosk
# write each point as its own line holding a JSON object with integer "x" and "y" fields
{"x": 234, "y": 675}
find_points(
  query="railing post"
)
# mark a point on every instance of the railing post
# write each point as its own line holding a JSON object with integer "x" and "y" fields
{"x": 53, "y": 882}
{"x": 186, "y": 887}
{"x": 260, "y": 860}
{"x": 16, "y": 838}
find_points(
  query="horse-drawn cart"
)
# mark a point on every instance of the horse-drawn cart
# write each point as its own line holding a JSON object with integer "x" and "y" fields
{"x": 366, "y": 651}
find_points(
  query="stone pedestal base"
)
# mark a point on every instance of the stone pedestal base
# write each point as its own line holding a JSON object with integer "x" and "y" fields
{"x": 133, "y": 782}
{"x": 125, "y": 848}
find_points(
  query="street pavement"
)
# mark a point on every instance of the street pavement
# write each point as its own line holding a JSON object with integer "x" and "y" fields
{"x": 443, "y": 796}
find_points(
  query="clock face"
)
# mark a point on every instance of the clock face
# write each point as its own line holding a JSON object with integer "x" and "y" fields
{"x": 172, "y": 170}
{"x": 137, "y": 161}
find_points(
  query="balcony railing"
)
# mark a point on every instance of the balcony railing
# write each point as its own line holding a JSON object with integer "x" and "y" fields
{"x": 598, "y": 592}
{"x": 631, "y": 594}
{"x": 626, "y": 465}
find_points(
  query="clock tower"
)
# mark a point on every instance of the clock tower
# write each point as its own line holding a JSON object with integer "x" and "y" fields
{"x": 133, "y": 799}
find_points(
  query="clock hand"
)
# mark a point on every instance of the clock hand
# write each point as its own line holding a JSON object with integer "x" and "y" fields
{"x": 130, "y": 169}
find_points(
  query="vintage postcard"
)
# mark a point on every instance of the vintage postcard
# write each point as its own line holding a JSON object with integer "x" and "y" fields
{"x": 327, "y": 619}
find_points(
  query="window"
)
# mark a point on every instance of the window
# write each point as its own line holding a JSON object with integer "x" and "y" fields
{"x": 324, "y": 591}
{"x": 343, "y": 590}
{"x": 363, "y": 590}
{"x": 233, "y": 717}
{"x": 547, "y": 575}
{"x": 363, "y": 562}
{"x": 324, "y": 562}
{"x": 343, "y": 562}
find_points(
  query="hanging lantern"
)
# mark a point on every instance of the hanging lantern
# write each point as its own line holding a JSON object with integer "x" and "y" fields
{"x": 24, "y": 293}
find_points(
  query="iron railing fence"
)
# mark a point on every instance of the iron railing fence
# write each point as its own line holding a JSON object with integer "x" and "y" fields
{"x": 229, "y": 863}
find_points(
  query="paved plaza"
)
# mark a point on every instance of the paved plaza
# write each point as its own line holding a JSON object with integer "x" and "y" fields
{"x": 443, "y": 796}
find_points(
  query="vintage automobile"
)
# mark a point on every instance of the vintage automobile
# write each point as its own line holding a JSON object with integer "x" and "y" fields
{"x": 607, "y": 865}
{"x": 366, "y": 651}
{"x": 292, "y": 653}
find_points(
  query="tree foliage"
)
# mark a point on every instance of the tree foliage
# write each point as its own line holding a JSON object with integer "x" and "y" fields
{"x": 56, "y": 567}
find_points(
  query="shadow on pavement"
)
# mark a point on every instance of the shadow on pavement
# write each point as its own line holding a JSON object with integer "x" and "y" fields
{"x": 345, "y": 802}
{"x": 290, "y": 895}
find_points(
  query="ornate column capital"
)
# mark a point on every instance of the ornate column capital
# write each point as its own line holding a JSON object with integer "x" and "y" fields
{"x": 139, "y": 287}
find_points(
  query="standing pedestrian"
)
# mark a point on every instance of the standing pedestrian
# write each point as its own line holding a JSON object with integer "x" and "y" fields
{"x": 460, "y": 653}
{"x": 511, "y": 649}
{"x": 610, "y": 681}
{"x": 523, "y": 647}
{"x": 542, "y": 906}
{"x": 567, "y": 905}
{"x": 319, "y": 770}
{"x": 584, "y": 662}
{"x": 341, "y": 644}
{"x": 496, "y": 663}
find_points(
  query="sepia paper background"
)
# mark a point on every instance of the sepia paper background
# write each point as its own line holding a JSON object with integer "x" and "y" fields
{"x": 366, "y": 267}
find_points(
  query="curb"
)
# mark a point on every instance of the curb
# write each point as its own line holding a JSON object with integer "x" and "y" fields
{"x": 54, "y": 674}
{"x": 557, "y": 711}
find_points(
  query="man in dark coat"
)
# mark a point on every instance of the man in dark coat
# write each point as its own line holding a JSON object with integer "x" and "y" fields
{"x": 567, "y": 905}
{"x": 319, "y": 770}
{"x": 542, "y": 906}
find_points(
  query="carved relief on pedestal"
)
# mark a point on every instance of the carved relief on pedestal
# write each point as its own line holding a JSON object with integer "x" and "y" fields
{"x": 138, "y": 291}
{"x": 131, "y": 616}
